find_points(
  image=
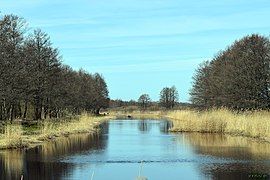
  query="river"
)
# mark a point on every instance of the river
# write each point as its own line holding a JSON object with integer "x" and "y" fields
{"x": 116, "y": 152}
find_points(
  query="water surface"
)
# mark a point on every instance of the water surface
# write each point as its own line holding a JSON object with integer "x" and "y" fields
{"x": 115, "y": 153}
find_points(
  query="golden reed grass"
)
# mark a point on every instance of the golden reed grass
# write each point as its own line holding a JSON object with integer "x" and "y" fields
{"x": 249, "y": 124}
{"x": 85, "y": 123}
{"x": 15, "y": 137}
{"x": 12, "y": 136}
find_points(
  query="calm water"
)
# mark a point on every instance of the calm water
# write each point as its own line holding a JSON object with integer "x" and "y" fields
{"x": 115, "y": 154}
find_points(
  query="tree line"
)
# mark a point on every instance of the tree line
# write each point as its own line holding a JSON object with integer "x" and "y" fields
{"x": 35, "y": 83}
{"x": 237, "y": 77}
{"x": 168, "y": 98}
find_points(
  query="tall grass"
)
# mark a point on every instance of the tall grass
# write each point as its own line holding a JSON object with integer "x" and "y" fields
{"x": 15, "y": 136}
{"x": 84, "y": 124}
{"x": 250, "y": 124}
{"x": 12, "y": 136}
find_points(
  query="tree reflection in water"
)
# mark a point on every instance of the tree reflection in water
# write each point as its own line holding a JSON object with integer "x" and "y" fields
{"x": 238, "y": 156}
{"x": 43, "y": 162}
{"x": 209, "y": 156}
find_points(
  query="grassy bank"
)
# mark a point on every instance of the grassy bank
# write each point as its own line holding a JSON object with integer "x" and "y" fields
{"x": 249, "y": 124}
{"x": 16, "y": 136}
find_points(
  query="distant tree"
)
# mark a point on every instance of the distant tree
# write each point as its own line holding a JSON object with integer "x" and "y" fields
{"x": 132, "y": 102}
{"x": 144, "y": 100}
{"x": 121, "y": 103}
{"x": 174, "y": 96}
{"x": 169, "y": 97}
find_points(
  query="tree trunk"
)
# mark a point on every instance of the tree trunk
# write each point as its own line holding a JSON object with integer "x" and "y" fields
{"x": 97, "y": 111}
{"x": 46, "y": 108}
{"x": 38, "y": 108}
{"x": 11, "y": 110}
{"x": 1, "y": 112}
{"x": 37, "y": 113}
{"x": 25, "y": 110}
{"x": 19, "y": 109}
{"x": 4, "y": 114}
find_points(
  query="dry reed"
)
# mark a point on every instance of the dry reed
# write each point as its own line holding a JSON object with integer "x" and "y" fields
{"x": 12, "y": 136}
{"x": 85, "y": 124}
{"x": 15, "y": 137}
{"x": 250, "y": 124}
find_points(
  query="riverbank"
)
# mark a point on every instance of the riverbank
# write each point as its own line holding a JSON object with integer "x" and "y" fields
{"x": 248, "y": 124}
{"x": 222, "y": 121}
{"x": 17, "y": 136}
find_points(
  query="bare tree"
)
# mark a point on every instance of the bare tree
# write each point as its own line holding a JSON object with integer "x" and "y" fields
{"x": 12, "y": 29}
{"x": 144, "y": 101}
{"x": 169, "y": 97}
{"x": 34, "y": 79}
{"x": 44, "y": 63}
{"x": 238, "y": 77}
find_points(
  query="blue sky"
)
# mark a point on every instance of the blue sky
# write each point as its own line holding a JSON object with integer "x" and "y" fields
{"x": 141, "y": 46}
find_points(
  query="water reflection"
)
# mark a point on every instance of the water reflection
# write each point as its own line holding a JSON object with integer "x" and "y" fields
{"x": 116, "y": 151}
{"x": 226, "y": 146}
{"x": 44, "y": 162}
{"x": 143, "y": 126}
{"x": 11, "y": 164}
{"x": 234, "y": 170}
{"x": 165, "y": 126}
{"x": 236, "y": 157}
{"x": 146, "y": 125}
